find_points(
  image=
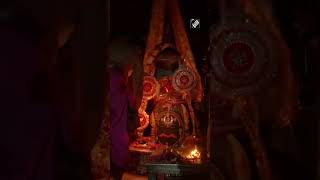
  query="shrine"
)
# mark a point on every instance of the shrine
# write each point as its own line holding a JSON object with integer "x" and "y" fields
{"x": 159, "y": 90}
{"x": 204, "y": 118}
{"x": 171, "y": 85}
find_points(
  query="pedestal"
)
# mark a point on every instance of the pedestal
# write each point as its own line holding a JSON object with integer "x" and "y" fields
{"x": 138, "y": 158}
{"x": 155, "y": 169}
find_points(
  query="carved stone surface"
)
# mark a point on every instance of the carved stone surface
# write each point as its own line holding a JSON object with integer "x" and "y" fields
{"x": 241, "y": 58}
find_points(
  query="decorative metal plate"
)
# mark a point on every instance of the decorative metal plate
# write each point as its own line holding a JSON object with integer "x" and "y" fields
{"x": 150, "y": 87}
{"x": 184, "y": 79}
{"x": 241, "y": 58}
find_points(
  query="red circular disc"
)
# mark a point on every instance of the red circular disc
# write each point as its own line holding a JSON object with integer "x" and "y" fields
{"x": 184, "y": 79}
{"x": 238, "y": 58}
{"x": 150, "y": 87}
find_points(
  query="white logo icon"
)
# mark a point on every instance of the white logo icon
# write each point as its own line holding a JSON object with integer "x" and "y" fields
{"x": 195, "y": 23}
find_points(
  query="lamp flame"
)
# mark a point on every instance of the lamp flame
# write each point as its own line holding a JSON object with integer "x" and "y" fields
{"x": 194, "y": 154}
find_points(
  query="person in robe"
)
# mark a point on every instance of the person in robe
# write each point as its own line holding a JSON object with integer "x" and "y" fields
{"x": 124, "y": 57}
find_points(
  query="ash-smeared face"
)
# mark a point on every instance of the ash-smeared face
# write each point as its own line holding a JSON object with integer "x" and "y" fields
{"x": 169, "y": 127}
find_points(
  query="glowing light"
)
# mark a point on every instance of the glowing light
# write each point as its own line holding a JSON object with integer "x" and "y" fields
{"x": 194, "y": 154}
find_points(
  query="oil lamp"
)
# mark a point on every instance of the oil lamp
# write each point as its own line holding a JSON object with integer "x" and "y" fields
{"x": 194, "y": 155}
{"x": 192, "y": 150}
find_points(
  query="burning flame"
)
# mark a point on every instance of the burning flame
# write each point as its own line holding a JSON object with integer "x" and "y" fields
{"x": 194, "y": 154}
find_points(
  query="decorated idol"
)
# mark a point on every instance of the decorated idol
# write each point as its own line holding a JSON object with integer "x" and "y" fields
{"x": 168, "y": 94}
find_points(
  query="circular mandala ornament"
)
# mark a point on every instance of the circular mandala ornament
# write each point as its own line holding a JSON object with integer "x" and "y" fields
{"x": 184, "y": 79}
{"x": 150, "y": 87}
{"x": 241, "y": 58}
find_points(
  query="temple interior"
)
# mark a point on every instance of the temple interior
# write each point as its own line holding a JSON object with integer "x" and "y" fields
{"x": 229, "y": 94}
{"x": 222, "y": 89}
